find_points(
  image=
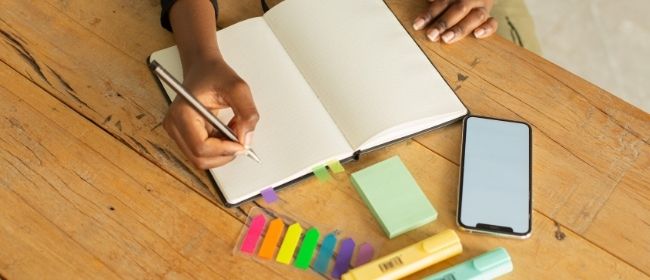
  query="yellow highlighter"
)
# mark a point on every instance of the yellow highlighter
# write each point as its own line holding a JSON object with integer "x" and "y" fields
{"x": 410, "y": 259}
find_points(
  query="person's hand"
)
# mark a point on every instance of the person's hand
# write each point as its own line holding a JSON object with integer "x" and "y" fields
{"x": 216, "y": 86}
{"x": 452, "y": 20}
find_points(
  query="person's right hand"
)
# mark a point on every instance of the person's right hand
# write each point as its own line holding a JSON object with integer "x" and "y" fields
{"x": 216, "y": 86}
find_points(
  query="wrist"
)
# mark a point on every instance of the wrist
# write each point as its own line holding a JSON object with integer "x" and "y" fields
{"x": 194, "y": 27}
{"x": 197, "y": 56}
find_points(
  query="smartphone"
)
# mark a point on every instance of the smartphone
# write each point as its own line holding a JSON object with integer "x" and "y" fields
{"x": 495, "y": 186}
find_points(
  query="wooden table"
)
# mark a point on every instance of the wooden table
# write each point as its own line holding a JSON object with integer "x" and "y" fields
{"x": 92, "y": 187}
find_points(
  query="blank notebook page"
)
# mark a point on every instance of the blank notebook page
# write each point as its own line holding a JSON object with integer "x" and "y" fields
{"x": 365, "y": 68}
{"x": 294, "y": 131}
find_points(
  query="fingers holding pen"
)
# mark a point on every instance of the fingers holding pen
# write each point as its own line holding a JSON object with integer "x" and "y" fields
{"x": 188, "y": 129}
{"x": 245, "y": 112}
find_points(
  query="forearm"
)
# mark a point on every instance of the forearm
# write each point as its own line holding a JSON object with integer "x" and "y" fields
{"x": 194, "y": 27}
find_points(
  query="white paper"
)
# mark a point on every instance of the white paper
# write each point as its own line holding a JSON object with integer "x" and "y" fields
{"x": 294, "y": 132}
{"x": 366, "y": 70}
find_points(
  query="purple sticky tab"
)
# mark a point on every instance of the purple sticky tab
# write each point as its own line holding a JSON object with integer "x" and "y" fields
{"x": 364, "y": 254}
{"x": 343, "y": 258}
{"x": 269, "y": 195}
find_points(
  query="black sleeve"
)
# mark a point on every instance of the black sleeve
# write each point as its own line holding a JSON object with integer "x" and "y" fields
{"x": 166, "y": 7}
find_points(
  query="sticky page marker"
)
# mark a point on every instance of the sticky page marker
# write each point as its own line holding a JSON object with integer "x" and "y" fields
{"x": 336, "y": 166}
{"x": 273, "y": 234}
{"x": 269, "y": 195}
{"x": 343, "y": 258}
{"x": 325, "y": 253}
{"x": 321, "y": 173}
{"x": 364, "y": 254}
{"x": 253, "y": 234}
{"x": 289, "y": 244}
{"x": 307, "y": 247}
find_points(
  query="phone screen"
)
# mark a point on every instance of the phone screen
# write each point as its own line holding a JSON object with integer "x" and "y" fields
{"x": 495, "y": 181}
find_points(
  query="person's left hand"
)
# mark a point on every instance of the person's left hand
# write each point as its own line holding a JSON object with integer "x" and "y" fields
{"x": 452, "y": 20}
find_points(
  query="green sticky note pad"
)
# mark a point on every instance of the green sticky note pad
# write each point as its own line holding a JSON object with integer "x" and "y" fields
{"x": 393, "y": 197}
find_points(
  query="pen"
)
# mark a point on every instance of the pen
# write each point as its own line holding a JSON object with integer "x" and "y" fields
{"x": 178, "y": 88}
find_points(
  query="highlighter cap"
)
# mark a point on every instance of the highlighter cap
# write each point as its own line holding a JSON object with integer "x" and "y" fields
{"x": 487, "y": 266}
{"x": 492, "y": 259}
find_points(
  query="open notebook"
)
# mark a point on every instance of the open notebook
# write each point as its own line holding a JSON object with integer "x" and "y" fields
{"x": 331, "y": 79}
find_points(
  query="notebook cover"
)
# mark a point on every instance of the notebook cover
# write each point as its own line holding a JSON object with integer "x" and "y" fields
{"x": 217, "y": 190}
